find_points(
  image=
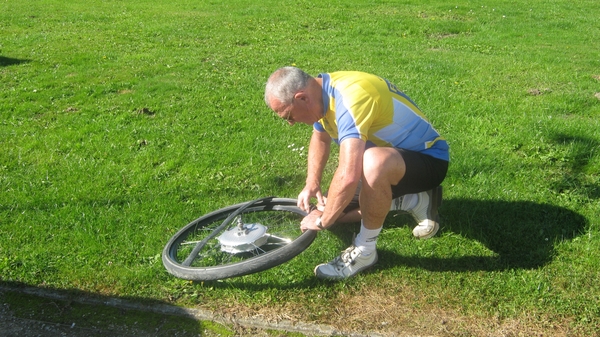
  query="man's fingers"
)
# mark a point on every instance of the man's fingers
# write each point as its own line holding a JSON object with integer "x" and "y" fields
{"x": 303, "y": 204}
{"x": 320, "y": 198}
{"x": 306, "y": 205}
{"x": 301, "y": 200}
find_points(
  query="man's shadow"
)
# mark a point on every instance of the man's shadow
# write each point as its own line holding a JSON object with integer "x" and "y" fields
{"x": 8, "y": 61}
{"x": 522, "y": 235}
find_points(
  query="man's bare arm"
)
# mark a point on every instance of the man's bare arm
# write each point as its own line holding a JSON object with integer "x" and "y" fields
{"x": 318, "y": 154}
{"x": 346, "y": 179}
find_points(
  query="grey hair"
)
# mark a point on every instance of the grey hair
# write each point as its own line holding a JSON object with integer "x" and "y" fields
{"x": 284, "y": 83}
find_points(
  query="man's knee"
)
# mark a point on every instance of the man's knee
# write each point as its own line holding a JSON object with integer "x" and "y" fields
{"x": 383, "y": 164}
{"x": 373, "y": 163}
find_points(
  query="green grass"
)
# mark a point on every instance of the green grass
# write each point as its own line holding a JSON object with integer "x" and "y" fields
{"x": 121, "y": 122}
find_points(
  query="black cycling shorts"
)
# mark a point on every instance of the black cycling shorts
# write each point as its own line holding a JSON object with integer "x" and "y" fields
{"x": 423, "y": 173}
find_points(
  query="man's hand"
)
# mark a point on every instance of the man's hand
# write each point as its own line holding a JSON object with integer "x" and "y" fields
{"x": 318, "y": 153}
{"x": 308, "y": 193}
{"x": 309, "y": 221}
{"x": 321, "y": 204}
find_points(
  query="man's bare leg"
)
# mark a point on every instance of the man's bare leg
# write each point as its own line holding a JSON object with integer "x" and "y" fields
{"x": 382, "y": 168}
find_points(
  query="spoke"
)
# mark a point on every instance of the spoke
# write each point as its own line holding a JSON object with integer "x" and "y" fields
{"x": 209, "y": 251}
{"x": 275, "y": 244}
{"x": 228, "y": 258}
{"x": 283, "y": 224}
{"x": 257, "y": 251}
{"x": 189, "y": 243}
{"x": 284, "y": 240}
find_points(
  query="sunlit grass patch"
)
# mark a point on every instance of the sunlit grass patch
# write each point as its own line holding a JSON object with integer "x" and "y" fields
{"x": 122, "y": 122}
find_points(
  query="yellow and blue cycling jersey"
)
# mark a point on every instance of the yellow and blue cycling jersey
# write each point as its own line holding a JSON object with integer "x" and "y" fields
{"x": 365, "y": 106}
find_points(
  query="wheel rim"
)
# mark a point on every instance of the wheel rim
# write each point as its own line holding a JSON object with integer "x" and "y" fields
{"x": 281, "y": 224}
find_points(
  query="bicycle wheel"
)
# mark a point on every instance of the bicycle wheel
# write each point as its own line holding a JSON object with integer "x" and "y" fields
{"x": 238, "y": 240}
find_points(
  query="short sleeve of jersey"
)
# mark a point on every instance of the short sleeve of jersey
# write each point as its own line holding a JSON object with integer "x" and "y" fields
{"x": 350, "y": 123}
{"x": 353, "y": 102}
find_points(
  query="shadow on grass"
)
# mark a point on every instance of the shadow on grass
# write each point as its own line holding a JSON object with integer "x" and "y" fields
{"x": 34, "y": 311}
{"x": 575, "y": 163}
{"x": 522, "y": 234}
{"x": 7, "y": 61}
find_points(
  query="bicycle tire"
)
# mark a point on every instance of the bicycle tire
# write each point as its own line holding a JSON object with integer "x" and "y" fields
{"x": 283, "y": 208}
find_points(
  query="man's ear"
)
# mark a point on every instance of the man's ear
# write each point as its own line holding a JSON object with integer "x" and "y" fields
{"x": 301, "y": 95}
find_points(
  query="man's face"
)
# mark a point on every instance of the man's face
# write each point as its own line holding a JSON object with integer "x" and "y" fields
{"x": 296, "y": 112}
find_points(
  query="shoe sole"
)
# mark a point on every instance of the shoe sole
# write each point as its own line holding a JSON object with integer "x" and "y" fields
{"x": 436, "y": 228}
{"x": 436, "y": 195}
{"x": 337, "y": 278}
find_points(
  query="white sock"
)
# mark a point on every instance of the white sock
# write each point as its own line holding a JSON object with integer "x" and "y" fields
{"x": 366, "y": 240}
{"x": 409, "y": 201}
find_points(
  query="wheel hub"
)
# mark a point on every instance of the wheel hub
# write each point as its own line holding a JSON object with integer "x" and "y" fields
{"x": 243, "y": 238}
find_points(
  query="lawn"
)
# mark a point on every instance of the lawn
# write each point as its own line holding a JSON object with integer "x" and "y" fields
{"x": 120, "y": 122}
